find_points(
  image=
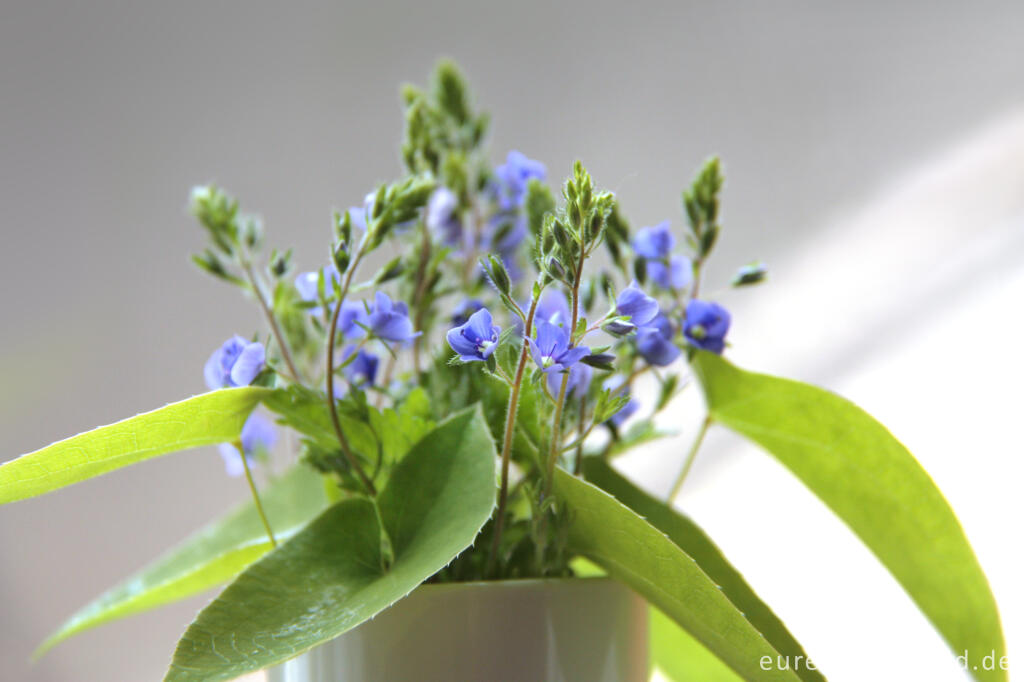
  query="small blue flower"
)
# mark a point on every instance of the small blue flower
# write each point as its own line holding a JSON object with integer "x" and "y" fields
{"x": 464, "y": 309}
{"x": 307, "y": 284}
{"x": 512, "y": 178}
{"x": 654, "y": 243}
{"x": 258, "y": 435}
{"x": 362, "y": 371}
{"x": 476, "y": 339}
{"x": 706, "y": 325}
{"x": 442, "y": 217}
{"x": 553, "y": 307}
{"x": 390, "y": 321}
{"x": 580, "y": 376}
{"x": 675, "y": 276}
{"x": 236, "y": 363}
{"x": 638, "y": 306}
{"x": 353, "y": 319}
{"x": 551, "y": 350}
{"x": 655, "y": 342}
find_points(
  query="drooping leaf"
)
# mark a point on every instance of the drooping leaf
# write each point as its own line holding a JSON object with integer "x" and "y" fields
{"x": 206, "y": 419}
{"x": 870, "y": 480}
{"x": 212, "y": 556}
{"x": 334, "y": 574}
{"x": 689, "y": 537}
{"x": 635, "y": 552}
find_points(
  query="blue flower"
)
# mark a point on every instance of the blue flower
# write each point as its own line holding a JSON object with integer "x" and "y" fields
{"x": 477, "y": 338}
{"x": 512, "y": 178}
{"x": 362, "y": 371}
{"x": 553, "y": 307}
{"x": 551, "y": 350}
{"x": 390, "y": 321}
{"x": 307, "y": 284}
{"x": 638, "y": 306}
{"x": 236, "y": 363}
{"x": 654, "y": 243}
{"x": 655, "y": 342}
{"x": 442, "y": 216}
{"x": 675, "y": 276}
{"x": 258, "y": 435}
{"x": 580, "y": 376}
{"x": 464, "y": 309}
{"x": 706, "y": 325}
{"x": 353, "y": 319}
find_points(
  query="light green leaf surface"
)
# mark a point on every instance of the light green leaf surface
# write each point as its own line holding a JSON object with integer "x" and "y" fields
{"x": 635, "y": 552}
{"x": 206, "y": 419}
{"x": 681, "y": 658}
{"x": 870, "y": 480}
{"x": 331, "y": 576}
{"x": 689, "y": 537}
{"x": 212, "y": 556}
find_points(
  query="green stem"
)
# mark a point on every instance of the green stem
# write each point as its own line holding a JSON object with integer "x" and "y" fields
{"x": 268, "y": 312}
{"x": 256, "y": 495}
{"x": 578, "y": 466}
{"x": 331, "y": 406}
{"x": 506, "y": 446}
{"x": 690, "y": 456}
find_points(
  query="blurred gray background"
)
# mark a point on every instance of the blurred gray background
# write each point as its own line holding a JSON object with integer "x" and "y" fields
{"x": 111, "y": 111}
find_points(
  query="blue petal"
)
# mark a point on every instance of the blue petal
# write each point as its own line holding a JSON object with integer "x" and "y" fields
{"x": 481, "y": 326}
{"x": 250, "y": 363}
{"x": 232, "y": 460}
{"x": 573, "y": 355}
{"x": 258, "y": 434}
{"x": 460, "y": 344}
{"x": 212, "y": 372}
{"x": 655, "y": 242}
{"x": 640, "y": 307}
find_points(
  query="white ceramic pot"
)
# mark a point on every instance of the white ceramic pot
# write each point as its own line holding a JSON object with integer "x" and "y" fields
{"x": 573, "y": 630}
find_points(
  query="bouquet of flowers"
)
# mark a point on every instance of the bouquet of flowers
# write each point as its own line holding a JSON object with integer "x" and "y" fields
{"x": 456, "y": 411}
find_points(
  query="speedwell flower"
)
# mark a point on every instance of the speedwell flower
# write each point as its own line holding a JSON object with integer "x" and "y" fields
{"x": 442, "y": 216}
{"x": 706, "y": 325}
{"x": 633, "y": 303}
{"x": 551, "y": 350}
{"x": 654, "y": 243}
{"x": 258, "y": 435}
{"x": 675, "y": 275}
{"x": 655, "y": 342}
{"x": 390, "y": 321}
{"x": 512, "y": 178}
{"x": 235, "y": 363}
{"x": 361, "y": 371}
{"x": 476, "y": 339}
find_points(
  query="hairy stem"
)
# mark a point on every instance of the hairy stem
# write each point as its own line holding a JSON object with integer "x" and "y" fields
{"x": 506, "y": 446}
{"x": 346, "y": 449}
{"x": 417, "y": 299}
{"x": 690, "y": 457}
{"x": 268, "y": 312}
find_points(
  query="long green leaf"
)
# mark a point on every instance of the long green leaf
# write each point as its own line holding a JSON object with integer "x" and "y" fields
{"x": 689, "y": 537}
{"x": 207, "y": 419}
{"x": 632, "y": 550}
{"x": 335, "y": 574}
{"x": 870, "y": 480}
{"x": 212, "y": 556}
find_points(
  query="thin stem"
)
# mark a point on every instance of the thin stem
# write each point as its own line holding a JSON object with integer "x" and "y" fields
{"x": 690, "y": 457}
{"x": 578, "y": 466}
{"x": 331, "y": 406}
{"x": 417, "y": 299}
{"x": 506, "y": 446}
{"x": 271, "y": 318}
{"x": 256, "y": 496}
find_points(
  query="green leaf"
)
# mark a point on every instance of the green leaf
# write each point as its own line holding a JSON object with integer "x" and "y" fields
{"x": 689, "y": 537}
{"x": 332, "y": 576}
{"x": 635, "y": 552}
{"x": 212, "y": 556}
{"x": 207, "y": 419}
{"x": 870, "y": 480}
{"x": 680, "y": 657}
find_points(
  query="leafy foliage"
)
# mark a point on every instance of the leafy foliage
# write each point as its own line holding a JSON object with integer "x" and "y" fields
{"x": 337, "y": 572}
{"x": 866, "y": 476}
{"x": 212, "y": 556}
{"x": 206, "y": 419}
